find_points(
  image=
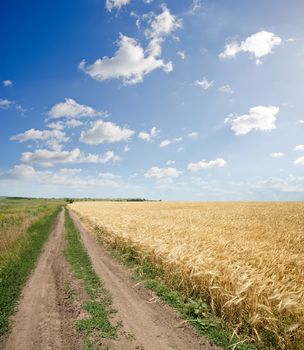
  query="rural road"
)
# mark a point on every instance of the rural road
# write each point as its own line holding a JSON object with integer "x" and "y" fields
{"x": 42, "y": 321}
{"x": 45, "y": 318}
{"x": 154, "y": 325}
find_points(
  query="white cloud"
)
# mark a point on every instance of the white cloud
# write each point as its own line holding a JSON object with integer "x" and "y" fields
{"x": 5, "y": 104}
{"x": 69, "y": 124}
{"x": 126, "y": 148}
{"x": 33, "y": 134}
{"x": 149, "y": 136}
{"x": 204, "y": 83}
{"x": 167, "y": 142}
{"x": 162, "y": 173}
{"x": 300, "y": 121}
{"x": 170, "y": 162}
{"x": 277, "y": 154}
{"x": 299, "y": 148}
{"x": 49, "y": 158}
{"x": 73, "y": 123}
{"x": 107, "y": 132}
{"x": 226, "y": 89}
{"x": 131, "y": 62}
{"x": 259, "y": 45}
{"x": 71, "y": 109}
{"x": 193, "y": 134}
{"x": 299, "y": 161}
{"x": 62, "y": 177}
{"x": 217, "y": 163}
{"x": 56, "y": 126}
{"x": 180, "y": 149}
{"x": 7, "y": 83}
{"x": 195, "y": 6}
{"x": 163, "y": 24}
{"x": 181, "y": 54}
{"x": 259, "y": 118}
{"x": 110, "y": 4}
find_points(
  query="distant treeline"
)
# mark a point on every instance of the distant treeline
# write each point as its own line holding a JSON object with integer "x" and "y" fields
{"x": 71, "y": 200}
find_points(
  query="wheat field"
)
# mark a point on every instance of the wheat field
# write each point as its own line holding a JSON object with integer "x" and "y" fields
{"x": 247, "y": 257}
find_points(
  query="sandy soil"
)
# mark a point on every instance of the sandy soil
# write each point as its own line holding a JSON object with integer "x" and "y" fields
{"x": 45, "y": 315}
{"x": 146, "y": 322}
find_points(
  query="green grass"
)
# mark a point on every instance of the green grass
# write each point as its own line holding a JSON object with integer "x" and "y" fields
{"x": 196, "y": 310}
{"x": 98, "y": 308}
{"x": 17, "y": 263}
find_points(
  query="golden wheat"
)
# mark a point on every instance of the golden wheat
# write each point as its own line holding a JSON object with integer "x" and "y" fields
{"x": 248, "y": 257}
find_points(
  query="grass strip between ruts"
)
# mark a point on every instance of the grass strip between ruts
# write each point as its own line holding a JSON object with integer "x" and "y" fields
{"x": 98, "y": 308}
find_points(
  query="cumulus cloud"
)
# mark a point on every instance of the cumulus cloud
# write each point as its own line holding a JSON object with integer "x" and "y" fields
{"x": 258, "y": 45}
{"x": 162, "y": 173}
{"x": 202, "y": 165}
{"x": 163, "y": 24}
{"x": 299, "y": 148}
{"x": 277, "y": 154}
{"x": 71, "y": 109}
{"x": 299, "y": 161}
{"x": 5, "y": 104}
{"x": 261, "y": 118}
{"x": 33, "y": 134}
{"x": 7, "y": 83}
{"x": 170, "y": 162}
{"x": 49, "y": 158}
{"x": 131, "y": 62}
{"x": 69, "y": 124}
{"x": 204, "y": 83}
{"x": 110, "y": 4}
{"x": 149, "y": 136}
{"x": 105, "y": 132}
{"x": 168, "y": 142}
{"x": 226, "y": 89}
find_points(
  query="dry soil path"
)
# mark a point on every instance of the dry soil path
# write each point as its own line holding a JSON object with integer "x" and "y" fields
{"x": 43, "y": 319}
{"x": 145, "y": 319}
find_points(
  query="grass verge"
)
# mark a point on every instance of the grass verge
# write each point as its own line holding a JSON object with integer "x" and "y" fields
{"x": 19, "y": 262}
{"x": 98, "y": 308}
{"x": 196, "y": 310}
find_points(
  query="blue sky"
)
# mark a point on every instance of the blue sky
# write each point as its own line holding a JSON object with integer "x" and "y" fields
{"x": 188, "y": 100}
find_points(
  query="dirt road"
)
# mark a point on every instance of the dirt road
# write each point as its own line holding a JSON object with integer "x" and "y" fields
{"x": 144, "y": 318}
{"x": 44, "y": 320}
{"x": 46, "y": 314}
